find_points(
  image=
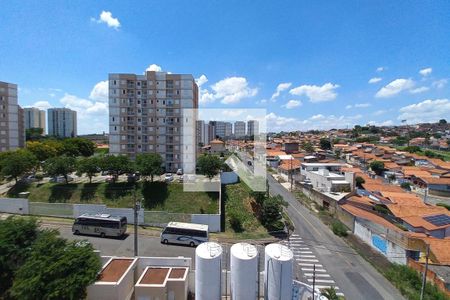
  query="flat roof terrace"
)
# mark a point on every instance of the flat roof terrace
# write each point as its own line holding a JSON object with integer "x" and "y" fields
{"x": 115, "y": 269}
{"x": 155, "y": 276}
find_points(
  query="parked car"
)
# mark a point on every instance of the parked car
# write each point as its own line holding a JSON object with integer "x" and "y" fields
{"x": 168, "y": 177}
{"x": 133, "y": 177}
{"x": 61, "y": 179}
{"x": 180, "y": 172}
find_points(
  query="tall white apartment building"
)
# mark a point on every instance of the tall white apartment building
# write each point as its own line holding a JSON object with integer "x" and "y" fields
{"x": 228, "y": 129}
{"x": 12, "y": 132}
{"x": 252, "y": 127}
{"x": 202, "y": 132}
{"x": 146, "y": 115}
{"x": 239, "y": 129}
{"x": 62, "y": 122}
{"x": 34, "y": 118}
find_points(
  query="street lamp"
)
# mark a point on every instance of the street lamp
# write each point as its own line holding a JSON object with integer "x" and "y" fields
{"x": 137, "y": 207}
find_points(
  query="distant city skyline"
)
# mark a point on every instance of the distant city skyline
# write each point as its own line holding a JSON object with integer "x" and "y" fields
{"x": 311, "y": 65}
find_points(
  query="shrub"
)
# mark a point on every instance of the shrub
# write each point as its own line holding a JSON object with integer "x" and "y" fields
{"x": 406, "y": 186}
{"x": 444, "y": 205}
{"x": 338, "y": 228}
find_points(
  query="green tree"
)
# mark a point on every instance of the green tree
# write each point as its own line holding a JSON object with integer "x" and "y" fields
{"x": 325, "y": 144}
{"x": 442, "y": 122}
{"x": 89, "y": 166}
{"x": 56, "y": 269}
{"x": 259, "y": 197}
{"x": 209, "y": 165}
{"x": 42, "y": 150}
{"x": 377, "y": 167}
{"x": 116, "y": 165}
{"x": 308, "y": 147}
{"x": 60, "y": 165}
{"x": 359, "y": 181}
{"x": 392, "y": 177}
{"x": 271, "y": 213}
{"x": 16, "y": 237}
{"x": 149, "y": 164}
{"x": 16, "y": 163}
{"x": 78, "y": 147}
{"x": 330, "y": 293}
{"x": 33, "y": 134}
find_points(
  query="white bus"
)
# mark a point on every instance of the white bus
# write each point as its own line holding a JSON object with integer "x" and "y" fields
{"x": 101, "y": 224}
{"x": 184, "y": 233}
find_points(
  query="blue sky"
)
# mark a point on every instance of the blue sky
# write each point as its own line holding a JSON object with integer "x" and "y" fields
{"x": 323, "y": 53}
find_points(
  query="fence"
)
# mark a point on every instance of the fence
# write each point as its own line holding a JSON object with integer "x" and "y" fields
{"x": 431, "y": 276}
{"x": 67, "y": 210}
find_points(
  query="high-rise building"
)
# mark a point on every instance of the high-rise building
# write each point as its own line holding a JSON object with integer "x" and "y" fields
{"x": 12, "y": 133}
{"x": 252, "y": 127}
{"x": 62, "y": 122}
{"x": 228, "y": 129}
{"x": 34, "y": 118}
{"x": 146, "y": 115}
{"x": 202, "y": 129}
{"x": 239, "y": 129}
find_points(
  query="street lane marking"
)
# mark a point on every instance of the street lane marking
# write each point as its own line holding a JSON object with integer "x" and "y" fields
{"x": 326, "y": 286}
{"x": 308, "y": 256}
{"x": 307, "y": 260}
{"x": 320, "y": 280}
{"x": 317, "y": 275}
{"x": 309, "y": 265}
{"x": 312, "y": 270}
{"x": 305, "y": 252}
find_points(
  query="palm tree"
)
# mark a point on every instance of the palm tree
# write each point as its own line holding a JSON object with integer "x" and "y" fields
{"x": 330, "y": 293}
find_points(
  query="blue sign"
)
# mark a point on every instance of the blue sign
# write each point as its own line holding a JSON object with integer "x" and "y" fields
{"x": 379, "y": 243}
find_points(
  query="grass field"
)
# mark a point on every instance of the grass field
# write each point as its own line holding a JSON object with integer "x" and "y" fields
{"x": 239, "y": 204}
{"x": 445, "y": 154}
{"x": 157, "y": 196}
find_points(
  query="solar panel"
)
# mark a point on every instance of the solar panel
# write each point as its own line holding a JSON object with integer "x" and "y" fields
{"x": 438, "y": 220}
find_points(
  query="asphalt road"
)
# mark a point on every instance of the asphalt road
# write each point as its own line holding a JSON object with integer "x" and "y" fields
{"x": 354, "y": 276}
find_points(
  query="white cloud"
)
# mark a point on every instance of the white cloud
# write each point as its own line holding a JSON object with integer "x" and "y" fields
{"x": 316, "y": 93}
{"x": 319, "y": 121}
{"x": 426, "y": 71}
{"x": 233, "y": 90}
{"x": 383, "y": 123}
{"x": 381, "y": 69}
{"x": 379, "y": 112}
{"x": 107, "y": 18}
{"x": 395, "y": 87}
{"x": 419, "y": 90}
{"x": 154, "y": 67}
{"x": 439, "y": 84}
{"x": 349, "y": 106}
{"x": 281, "y": 87}
{"x": 201, "y": 80}
{"x": 362, "y": 105}
{"x": 92, "y": 115}
{"x": 375, "y": 79}
{"x": 425, "y": 111}
{"x": 44, "y": 105}
{"x": 292, "y": 103}
{"x": 100, "y": 92}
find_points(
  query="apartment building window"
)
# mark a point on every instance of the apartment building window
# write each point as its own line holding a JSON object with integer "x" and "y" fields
{"x": 138, "y": 83}
{"x": 139, "y": 93}
{"x": 124, "y": 92}
{"x": 114, "y": 82}
{"x": 178, "y": 92}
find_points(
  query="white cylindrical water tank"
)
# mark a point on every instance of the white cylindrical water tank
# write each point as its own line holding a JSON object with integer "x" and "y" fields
{"x": 244, "y": 271}
{"x": 278, "y": 265}
{"x": 208, "y": 270}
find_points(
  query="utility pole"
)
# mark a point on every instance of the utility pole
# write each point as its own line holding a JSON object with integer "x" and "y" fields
{"x": 292, "y": 173}
{"x": 424, "y": 278}
{"x": 136, "y": 209}
{"x": 314, "y": 281}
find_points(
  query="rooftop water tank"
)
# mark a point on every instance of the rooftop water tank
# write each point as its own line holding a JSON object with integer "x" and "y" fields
{"x": 278, "y": 264}
{"x": 244, "y": 271}
{"x": 208, "y": 270}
